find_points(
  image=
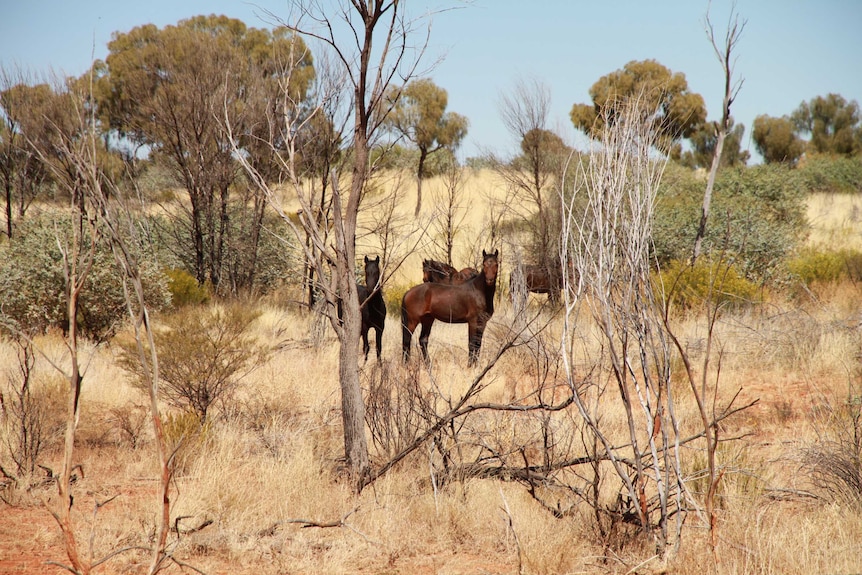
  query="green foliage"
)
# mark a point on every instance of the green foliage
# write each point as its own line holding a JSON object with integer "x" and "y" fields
{"x": 393, "y": 296}
{"x": 681, "y": 111}
{"x": 716, "y": 281}
{"x": 250, "y": 267}
{"x": 757, "y": 217}
{"x": 831, "y": 174}
{"x": 159, "y": 87}
{"x": 833, "y": 124}
{"x": 32, "y": 286}
{"x": 203, "y": 355}
{"x": 184, "y": 288}
{"x": 776, "y": 140}
{"x": 419, "y": 114}
{"x": 812, "y": 266}
{"x": 703, "y": 142}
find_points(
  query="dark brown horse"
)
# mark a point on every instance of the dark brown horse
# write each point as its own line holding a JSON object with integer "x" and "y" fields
{"x": 372, "y": 305}
{"x": 537, "y": 279}
{"x": 471, "y": 302}
{"x": 440, "y": 272}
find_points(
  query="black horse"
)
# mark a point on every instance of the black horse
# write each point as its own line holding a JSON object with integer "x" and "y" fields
{"x": 471, "y": 302}
{"x": 371, "y": 305}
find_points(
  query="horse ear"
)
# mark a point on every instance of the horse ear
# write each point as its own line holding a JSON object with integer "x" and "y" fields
{"x": 483, "y": 253}
{"x": 377, "y": 260}
{"x": 496, "y": 253}
{"x": 367, "y": 260}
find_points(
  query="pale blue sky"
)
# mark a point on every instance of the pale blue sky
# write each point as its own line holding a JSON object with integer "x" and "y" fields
{"x": 791, "y": 50}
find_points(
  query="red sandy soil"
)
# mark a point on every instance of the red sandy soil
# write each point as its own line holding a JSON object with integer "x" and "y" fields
{"x": 29, "y": 537}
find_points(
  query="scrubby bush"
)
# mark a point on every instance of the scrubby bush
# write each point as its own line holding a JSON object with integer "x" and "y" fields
{"x": 757, "y": 216}
{"x": 812, "y": 266}
{"x": 690, "y": 286}
{"x": 204, "y": 352}
{"x": 184, "y": 288}
{"x": 185, "y": 437}
{"x": 255, "y": 261}
{"x": 32, "y": 285}
{"x": 393, "y": 296}
{"x": 831, "y": 174}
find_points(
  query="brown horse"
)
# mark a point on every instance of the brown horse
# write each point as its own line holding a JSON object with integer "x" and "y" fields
{"x": 471, "y": 302}
{"x": 440, "y": 272}
{"x": 536, "y": 279}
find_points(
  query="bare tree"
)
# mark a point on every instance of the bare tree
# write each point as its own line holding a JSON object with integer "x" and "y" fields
{"x": 607, "y": 237}
{"x": 731, "y": 89}
{"x": 532, "y": 199}
{"x": 369, "y": 43}
{"x": 448, "y": 222}
{"x": 706, "y": 395}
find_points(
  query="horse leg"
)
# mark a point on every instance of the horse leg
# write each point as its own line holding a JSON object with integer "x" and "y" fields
{"x": 378, "y": 336}
{"x": 365, "y": 346}
{"x": 423, "y": 336}
{"x": 407, "y": 327}
{"x": 474, "y": 342}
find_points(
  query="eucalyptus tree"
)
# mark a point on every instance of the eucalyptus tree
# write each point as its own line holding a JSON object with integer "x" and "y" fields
{"x": 833, "y": 124}
{"x": 419, "y": 114}
{"x": 24, "y": 176}
{"x": 703, "y": 143}
{"x": 664, "y": 94}
{"x": 776, "y": 140}
{"x": 166, "y": 88}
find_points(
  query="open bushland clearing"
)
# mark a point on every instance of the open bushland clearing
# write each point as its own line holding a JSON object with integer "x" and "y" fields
{"x": 260, "y": 488}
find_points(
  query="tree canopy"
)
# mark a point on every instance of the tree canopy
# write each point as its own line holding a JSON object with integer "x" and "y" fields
{"x": 419, "y": 114}
{"x": 703, "y": 147}
{"x": 832, "y": 123}
{"x": 680, "y": 111}
{"x": 776, "y": 140}
{"x": 170, "y": 89}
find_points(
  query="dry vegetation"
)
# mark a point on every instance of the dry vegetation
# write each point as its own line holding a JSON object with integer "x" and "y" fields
{"x": 259, "y": 489}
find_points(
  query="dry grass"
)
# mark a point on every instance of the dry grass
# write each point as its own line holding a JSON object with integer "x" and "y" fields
{"x": 836, "y": 220}
{"x": 271, "y": 459}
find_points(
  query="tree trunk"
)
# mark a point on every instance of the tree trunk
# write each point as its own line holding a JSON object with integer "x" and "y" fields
{"x": 352, "y": 403}
{"x": 420, "y": 175}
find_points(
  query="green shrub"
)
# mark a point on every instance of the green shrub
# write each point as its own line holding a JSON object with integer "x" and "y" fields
{"x": 757, "y": 215}
{"x": 32, "y": 285}
{"x": 204, "y": 352}
{"x": 717, "y": 280}
{"x": 832, "y": 174}
{"x": 393, "y": 295}
{"x": 184, "y": 288}
{"x": 812, "y": 266}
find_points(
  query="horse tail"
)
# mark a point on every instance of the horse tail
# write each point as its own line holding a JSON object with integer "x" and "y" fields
{"x": 406, "y": 334}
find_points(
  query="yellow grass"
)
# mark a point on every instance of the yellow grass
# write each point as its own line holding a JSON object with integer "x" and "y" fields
{"x": 836, "y": 220}
{"x": 271, "y": 462}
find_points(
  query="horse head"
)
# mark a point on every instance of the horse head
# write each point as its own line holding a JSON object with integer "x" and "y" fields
{"x": 490, "y": 266}
{"x": 372, "y": 272}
